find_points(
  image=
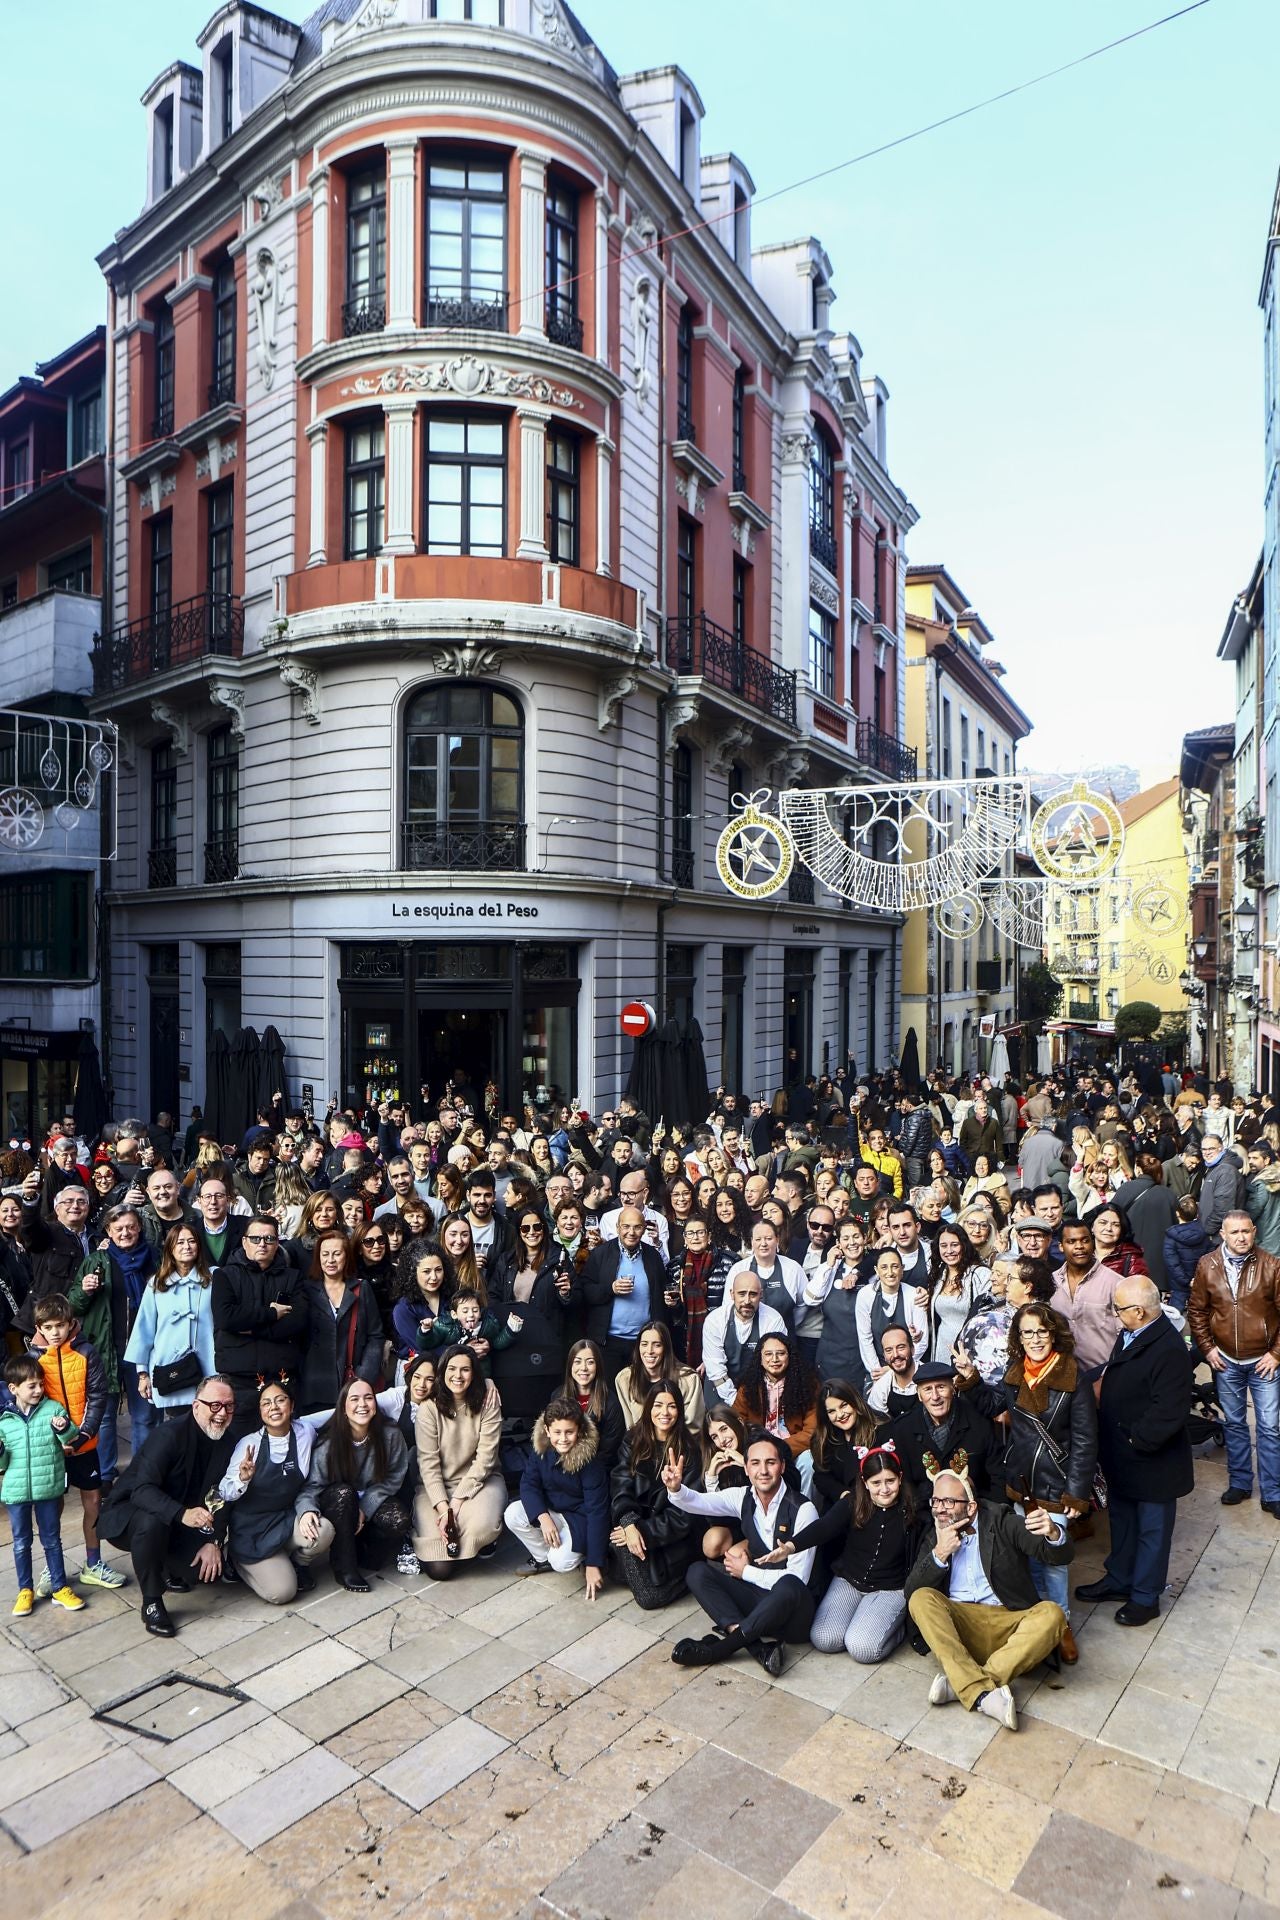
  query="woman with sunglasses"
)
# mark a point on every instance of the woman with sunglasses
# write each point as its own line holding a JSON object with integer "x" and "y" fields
{"x": 538, "y": 1295}
{"x": 371, "y": 1252}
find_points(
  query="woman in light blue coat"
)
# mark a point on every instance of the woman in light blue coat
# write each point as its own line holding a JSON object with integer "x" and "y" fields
{"x": 173, "y": 1329}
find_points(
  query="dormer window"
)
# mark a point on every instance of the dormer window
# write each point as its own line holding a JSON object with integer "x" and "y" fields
{"x": 87, "y": 437}
{"x": 164, "y": 146}
{"x": 223, "y": 90}
{"x": 688, "y": 147}
{"x": 475, "y": 13}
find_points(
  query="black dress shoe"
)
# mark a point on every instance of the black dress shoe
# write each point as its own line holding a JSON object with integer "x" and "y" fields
{"x": 1101, "y": 1590}
{"x": 1235, "y": 1496}
{"x": 1272, "y": 1507}
{"x": 707, "y": 1652}
{"x": 772, "y": 1656}
{"x": 156, "y": 1620}
{"x": 174, "y": 1583}
{"x": 356, "y": 1583}
{"x": 306, "y": 1579}
{"x": 1133, "y": 1615}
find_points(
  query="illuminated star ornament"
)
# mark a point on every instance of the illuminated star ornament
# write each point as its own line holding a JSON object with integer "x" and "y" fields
{"x": 754, "y": 853}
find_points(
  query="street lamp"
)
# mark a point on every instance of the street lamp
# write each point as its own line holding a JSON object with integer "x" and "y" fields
{"x": 1246, "y": 923}
{"x": 1200, "y": 948}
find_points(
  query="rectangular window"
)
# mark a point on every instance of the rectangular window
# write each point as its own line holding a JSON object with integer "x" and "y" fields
{"x": 164, "y": 146}
{"x": 563, "y": 500}
{"x": 682, "y": 815}
{"x": 222, "y": 385}
{"x": 160, "y": 572}
{"x": 739, "y": 604}
{"x": 879, "y": 694}
{"x": 466, "y": 243}
{"x": 222, "y": 807}
{"x": 87, "y": 437}
{"x": 162, "y": 855}
{"x": 72, "y": 572}
{"x": 365, "y": 308}
{"x": 475, "y": 13}
{"x": 822, "y": 503}
{"x": 982, "y": 748}
{"x": 946, "y": 738}
{"x": 45, "y": 922}
{"x": 8, "y": 593}
{"x": 561, "y": 266}
{"x": 685, "y": 428}
{"x": 688, "y": 148}
{"x": 964, "y": 746}
{"x": 740, "y": 430}
{"x": 223, "y": 86}
{"x": 220, "y": 507}
{"x": 17, "y": 474}
{"x": 686, "y": 570}
{"x": 822, "y": 653}
{"x": 733, "y": 996}
{"x": 466, "y": 485}
{"x": 163, "y": 342}
{"x": 365, "y": 489}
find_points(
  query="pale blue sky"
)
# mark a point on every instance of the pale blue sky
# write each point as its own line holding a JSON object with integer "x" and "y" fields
{"x": 1059, "y": 292}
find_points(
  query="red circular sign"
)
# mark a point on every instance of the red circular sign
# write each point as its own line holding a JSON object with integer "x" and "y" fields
{"x": 638, "y": 1018}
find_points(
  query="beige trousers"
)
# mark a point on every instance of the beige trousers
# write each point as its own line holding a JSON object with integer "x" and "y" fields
{"x": 275, "y": 1580}
{"x": 984, "y": 1647}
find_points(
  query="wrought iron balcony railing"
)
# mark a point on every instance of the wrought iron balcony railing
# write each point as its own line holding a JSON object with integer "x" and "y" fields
{"x": 686, "y": 429}
{"x": 740, "y": 480}
{"x": 207, "y": 624}
{"x": 364, "y": 314}
{"x": 222, "y": 387}
{"x": 451, "y": 307}
{"x": 698, "y": 646}
{"x": 162, "y": 425}
{"x": 162, "y": 867}
{"x": 881, "y": 750}
{"x": 682, "y": 866}
{"x": 800, "y": 887}
{"x": 564, "y": 329}
{"x": 483, "y": 846}
{"x": 822, "y": 545}
{"x": 221, "y": 859}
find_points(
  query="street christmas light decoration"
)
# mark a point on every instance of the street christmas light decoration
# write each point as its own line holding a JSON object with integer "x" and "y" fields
{"x": 1077, "y": 836}
{"x": 51, "y": 788}
{"x": 754, "y": 854}
{"x": 1017, "y": 909}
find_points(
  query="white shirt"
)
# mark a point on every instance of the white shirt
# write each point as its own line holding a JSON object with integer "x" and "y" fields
{"x": 732, "y": 1501}
{"x": 714, "y": 1329}
{"x": 917, "y": 1319}
{"x": 790, "y": 1271}
{"x": 653, "y": 1219}
{"x": 878, "y": 1392}
{"x": 305, "y": 1427}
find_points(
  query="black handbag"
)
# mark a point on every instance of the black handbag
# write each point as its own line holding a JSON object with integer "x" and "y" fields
{"x": 186, "y": 1371}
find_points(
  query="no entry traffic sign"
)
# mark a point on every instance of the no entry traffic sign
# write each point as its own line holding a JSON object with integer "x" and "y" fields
{"x": 637, "y": 1018}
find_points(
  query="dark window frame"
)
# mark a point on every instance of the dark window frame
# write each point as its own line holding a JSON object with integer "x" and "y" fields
{"x": 468, "y": 463}
{"x": 222, "y": 786}
{"x": 686, "y": 569}
{"x": 160, "y": 564}
{"x": 365, "y": 299}
{"x": 222, "y": 383}
{"x": 822, "y": 651}
{"x": 560, "y": 262}
{"x": 220, "y": 526}
{"x": 223, "y": 58}
{"x": 46, "y": 926}
{"x": 434, "y": 755}
{"x": 741, "y": 605}
{"x": 164, "y": 369}
{"x": 364, "y": 522}
{"x": 78, "y": 563}
{"x": 682, "y": 782}
{"x": 443, "y": 294}
{"x": 469, "y": 18}
{"x": 88, "y": 441}
{"x": 686, "y": 428}
{"x": 822, "y": 495}
{"x": 740, "y": 430}
{"x": 564, "y": 497}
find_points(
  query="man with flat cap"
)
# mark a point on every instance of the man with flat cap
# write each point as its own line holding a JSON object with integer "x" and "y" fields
{"x": 944, "y": 1429}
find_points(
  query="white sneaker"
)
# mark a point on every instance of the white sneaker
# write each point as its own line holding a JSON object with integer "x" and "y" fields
{"x": 407, "y": 1560}
{"x": 941, "y": 1691}
{"x": 999, "y": 1705}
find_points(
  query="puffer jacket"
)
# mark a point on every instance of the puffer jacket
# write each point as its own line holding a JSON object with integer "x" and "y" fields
{"x": 74, "y": 1377}
{"x": 1056, "y": 1471}
{"x": 575, "y": 1485}
{"x": 1246, "y": 1327}
{"x": 1185, "y": 1246}
{"x": 32, "y": 1462}
{"x": 916, "y": 1136}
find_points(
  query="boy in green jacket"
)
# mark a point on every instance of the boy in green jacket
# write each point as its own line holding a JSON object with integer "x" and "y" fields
{"x": 36, "y": 1434}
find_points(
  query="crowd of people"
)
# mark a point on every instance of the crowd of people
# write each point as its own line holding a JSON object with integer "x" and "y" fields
{"x": 853, "y": 1366}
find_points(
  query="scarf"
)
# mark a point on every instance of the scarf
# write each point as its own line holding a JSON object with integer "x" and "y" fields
{"x": 1033, "y": 1371}
{"x": 133, "y": 1266}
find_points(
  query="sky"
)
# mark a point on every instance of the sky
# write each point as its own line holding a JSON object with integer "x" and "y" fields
{"x": 1059, "y": 291}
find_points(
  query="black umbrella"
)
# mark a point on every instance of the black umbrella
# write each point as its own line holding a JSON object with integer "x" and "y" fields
{"x": 909, "y": 1067}
{"x": 644, "y": 1084}
{"x": 92, "y": 1110}
{"x": 217, "y": 1069}
{"x": 693, "y": 1075}
{"x": 242, "y": 1097}
{"x": 271, "y": 1073}
{"x": 671, "y": 1092}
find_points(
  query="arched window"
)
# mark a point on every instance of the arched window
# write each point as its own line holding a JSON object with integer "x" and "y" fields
{"x": 463, "y": 780}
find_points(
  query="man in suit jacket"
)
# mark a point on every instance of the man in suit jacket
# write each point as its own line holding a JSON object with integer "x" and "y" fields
{"x": 973, "y": 1598}
{"x": 1144, "y": 1450}
{"x": 944, "y": 1427}
{"x": 624, "y": 1285}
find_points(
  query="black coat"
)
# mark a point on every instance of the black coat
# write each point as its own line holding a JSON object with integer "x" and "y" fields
{"x": 233, "y": 1227}
{"x": 15, "y": 1280}
{"x": 530, "y": 1372}
{"x": 638, "y": 1498}
{"x": 356, "y": 1331}
{"x": 1142, "y": 1416}
{"x": 56, "y": 1254}
{"x": 248, "y": 1337}
{"x": 1006, "y": 1550}
{"x": 970, "y": 1430}
{"x": 1058, "y": 1469}
{"x": 175, "y": 1468}
{"x": 598, "y": 1277}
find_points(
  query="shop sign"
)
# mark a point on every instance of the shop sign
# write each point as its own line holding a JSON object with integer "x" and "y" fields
{"x": 461, "y": 910}
{"x": 24, "y": 1043}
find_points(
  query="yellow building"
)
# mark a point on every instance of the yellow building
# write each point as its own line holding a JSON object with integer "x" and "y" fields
{"x": 1126, "y": 938}
{"x": 962, "y": 723}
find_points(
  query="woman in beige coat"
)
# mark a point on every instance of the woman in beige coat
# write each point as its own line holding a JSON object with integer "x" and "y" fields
{"x": 459, "y": 1509}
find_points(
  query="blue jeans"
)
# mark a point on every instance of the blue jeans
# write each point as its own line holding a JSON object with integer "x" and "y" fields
{"x": 1051, "y": 1583}
{"x": 143, "y": 1419}
{"x": 45, "y": 1513}
{"x": 1235, "y": 1384}
{"x": 1141, "y": 1536}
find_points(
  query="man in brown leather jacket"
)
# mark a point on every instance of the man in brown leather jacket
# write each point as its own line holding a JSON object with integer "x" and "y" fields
{"x": 1234, "y": 1314}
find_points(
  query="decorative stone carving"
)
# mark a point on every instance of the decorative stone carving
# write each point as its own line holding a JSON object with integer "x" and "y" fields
{"x": 787, "y": 767}
{"x": 680, "y": 720}
{"x": 215, "y": 458}
{"x": 302, "y": 680}
{"x": 730, "y": 745}
{"x": 743, "y": 536}
{"x": 158, "y": 486}
{"x": 375, "y": 14}
{"x": 548, "y": 18}
{"x": 690, "y": 488}
{"x": 641, "y": 334}
{"x": 468, "y": 377}
{"x": 797, "y": 447}
{"x": 823, "y": 592}
{"x": 612, "y": 694}
{"x": 267, "y": 197}
{"x": 264, "y": 288}
{"x": 175, "y": 723}
{"x": 231, "y": 697}
{"x": 467, "y": 660}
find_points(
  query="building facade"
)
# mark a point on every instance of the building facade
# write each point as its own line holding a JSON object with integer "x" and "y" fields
{"x": 52, "y": 833}
{"x": 1216, "y": 951}
{"x": 1253, "y": 1012}
{"x": 962, "y": 724}
{"x": 487, "y": 514}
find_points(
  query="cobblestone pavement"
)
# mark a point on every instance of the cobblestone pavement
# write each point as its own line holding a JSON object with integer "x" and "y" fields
{"x": 495, "y": 1747}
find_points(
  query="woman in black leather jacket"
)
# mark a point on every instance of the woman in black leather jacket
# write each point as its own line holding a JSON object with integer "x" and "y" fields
{"x": 653, "y": 1543}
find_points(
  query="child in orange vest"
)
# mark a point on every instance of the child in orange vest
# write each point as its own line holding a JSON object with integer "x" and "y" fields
{"x": 73, "y": 1374}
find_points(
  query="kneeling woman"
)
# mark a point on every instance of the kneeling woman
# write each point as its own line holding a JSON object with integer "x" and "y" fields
{"x": 357, "y": 1471}
{"x": 562, "y": 1515}
{"x": 459, "y": 1511}
{"x": 270, "y": 1543}
{"x": 654, "y": 1543}
{"x": 864, "y": 1610}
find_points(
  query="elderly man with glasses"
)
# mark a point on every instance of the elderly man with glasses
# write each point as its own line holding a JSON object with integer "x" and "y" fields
{"x": 160, "y": 1508}
{"x": 972, "y": 1596}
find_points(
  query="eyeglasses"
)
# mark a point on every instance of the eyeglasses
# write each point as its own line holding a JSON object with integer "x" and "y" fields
{"x": 375, "y": 1240}
{"x": 260, "y": 1239}
{"x": 946, "y": 1506}
{"x": 1132, "y": 1307}
{"x": 224, "y": 1407}
{"x": 531, "y": 1233}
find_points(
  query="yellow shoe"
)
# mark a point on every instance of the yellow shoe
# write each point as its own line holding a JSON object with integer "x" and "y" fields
{"x": 64, "y": 1597}
{"x": 25, "y": 1601}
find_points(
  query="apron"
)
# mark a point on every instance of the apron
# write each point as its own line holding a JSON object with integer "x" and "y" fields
{"x": 262, "y": 1518}
{"x": 773, "y": 1293}
{"x": 839, "y": 1355}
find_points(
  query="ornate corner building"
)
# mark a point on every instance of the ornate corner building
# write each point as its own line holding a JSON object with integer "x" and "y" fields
{"x": 486, "y": 514}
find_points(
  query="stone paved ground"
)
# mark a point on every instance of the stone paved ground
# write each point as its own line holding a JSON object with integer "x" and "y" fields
{"x": 495, "y": 1747}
